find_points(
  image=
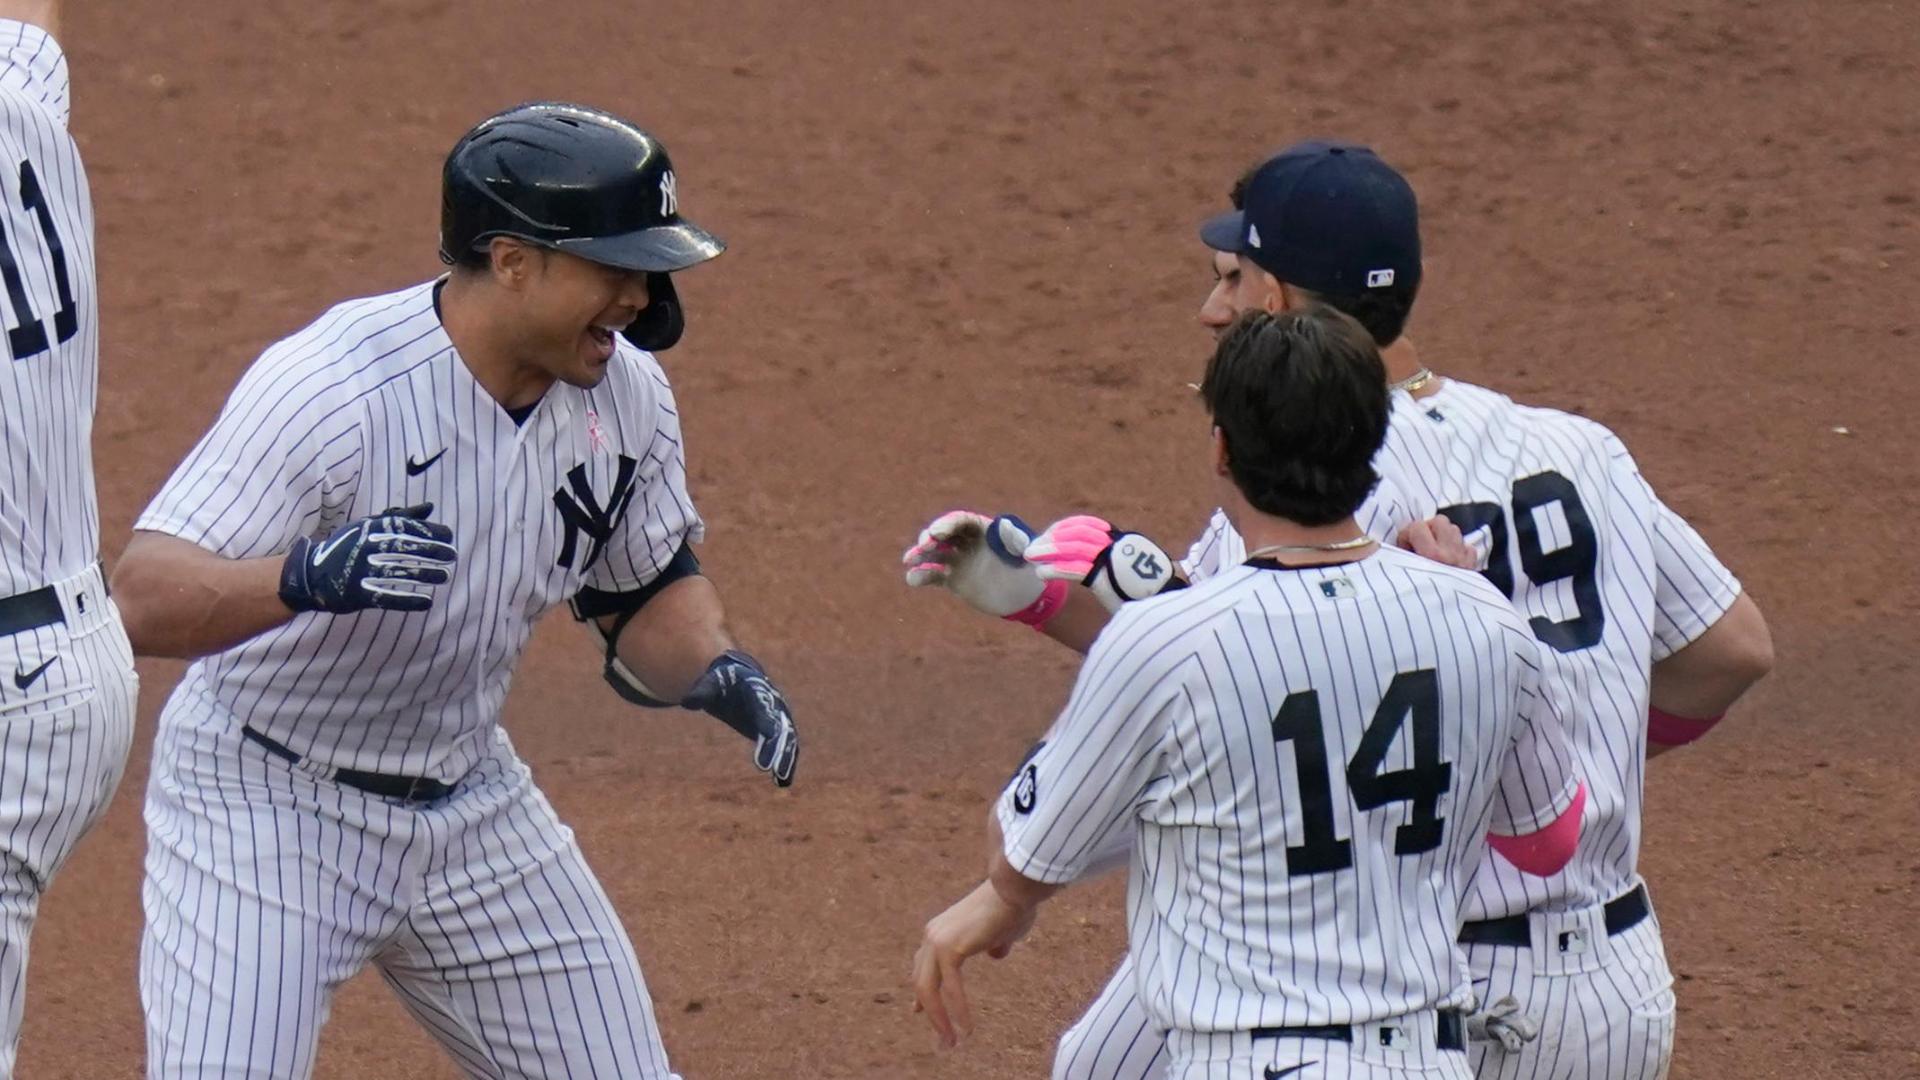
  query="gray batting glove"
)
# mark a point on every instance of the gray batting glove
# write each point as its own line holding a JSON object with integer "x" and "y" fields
{"x": 374, "y": 562}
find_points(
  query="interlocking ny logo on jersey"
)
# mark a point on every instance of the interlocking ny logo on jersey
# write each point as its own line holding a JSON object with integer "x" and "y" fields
{"x": 583, "y": 513}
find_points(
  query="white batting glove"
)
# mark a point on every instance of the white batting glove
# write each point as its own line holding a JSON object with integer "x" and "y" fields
{"x": 978, "y": 559}
{"x": 1117, "y": 566}
{"x": 1504, "y": 1023}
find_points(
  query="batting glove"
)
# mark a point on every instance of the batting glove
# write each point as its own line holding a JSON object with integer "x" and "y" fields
{"x": 738, "y": 693}
{"x": 979, "y": 559}
{"x": 1504, "y": 1023}
{"x": 1116, "y": 565}
{"x": 370, "y": 563}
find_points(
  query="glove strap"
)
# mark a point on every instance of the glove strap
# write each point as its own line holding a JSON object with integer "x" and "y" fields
{"x": 293, "y": 577}
{"x": 1049, "y": 603}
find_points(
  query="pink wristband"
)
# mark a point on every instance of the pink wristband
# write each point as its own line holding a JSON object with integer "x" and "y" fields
{"x": 1670, "y": 730}
{"x": 1039, "y": 613}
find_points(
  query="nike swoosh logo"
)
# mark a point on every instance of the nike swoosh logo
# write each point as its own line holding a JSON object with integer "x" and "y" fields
{"x": 1272, "y": 1073}
{"x": 24, "y": 679}
{"x": 415, "y": 468}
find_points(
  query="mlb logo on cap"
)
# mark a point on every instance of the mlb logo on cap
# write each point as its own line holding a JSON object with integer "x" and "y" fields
{"x": 1379, "y": 279}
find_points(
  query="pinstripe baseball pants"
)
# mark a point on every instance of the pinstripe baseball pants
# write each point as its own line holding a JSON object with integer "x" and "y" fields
{"x": 266, "y": 888}
{"x": 63, "y": 748}
{"x": 1604, "y": 1003}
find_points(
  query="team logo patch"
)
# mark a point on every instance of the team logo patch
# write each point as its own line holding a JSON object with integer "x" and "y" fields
{"x": 1026, "y": 788}
{"x": 584, "y": 514}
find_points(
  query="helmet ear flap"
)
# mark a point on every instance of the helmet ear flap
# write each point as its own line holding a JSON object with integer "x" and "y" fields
{"x": 661, "y": 323}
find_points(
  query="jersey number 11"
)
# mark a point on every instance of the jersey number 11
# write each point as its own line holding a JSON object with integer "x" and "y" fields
{"x": 29, "y": 338}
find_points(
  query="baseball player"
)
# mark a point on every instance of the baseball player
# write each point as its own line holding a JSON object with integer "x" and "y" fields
{"x": 1648, "y": 633}
{"x": 67, "y": 683}
{"x": 1303, "y": 755}
{"x": 355, "y": 555}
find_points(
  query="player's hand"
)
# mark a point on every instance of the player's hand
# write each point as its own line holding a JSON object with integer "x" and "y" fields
{"x": 982, "y": 922}
{"x": 1439, "y": 539}
{"x": 1117, "y": 565}
{"x": 739, "y": 694}
{"x": 373, "y": 562}
{"x": 978, "y": 559}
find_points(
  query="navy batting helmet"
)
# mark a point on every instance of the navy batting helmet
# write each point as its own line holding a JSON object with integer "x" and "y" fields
{"x": 576, "y": 179}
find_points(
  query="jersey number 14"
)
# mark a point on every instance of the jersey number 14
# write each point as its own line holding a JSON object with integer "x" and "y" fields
{"x": 1413, "y": 695}
{"x": 29, "y": 337}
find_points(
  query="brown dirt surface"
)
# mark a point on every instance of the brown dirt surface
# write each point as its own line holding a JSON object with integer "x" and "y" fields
{"x": 964, "y": 272}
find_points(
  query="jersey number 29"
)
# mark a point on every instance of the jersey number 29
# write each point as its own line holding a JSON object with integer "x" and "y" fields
{"x": 29, "y": 337}
{"x": 1412, "y": 695}
{"x": 1576, "y": 562}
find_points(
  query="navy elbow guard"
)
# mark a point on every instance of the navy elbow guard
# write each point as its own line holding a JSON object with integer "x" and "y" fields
{"x": 591, "y": 605}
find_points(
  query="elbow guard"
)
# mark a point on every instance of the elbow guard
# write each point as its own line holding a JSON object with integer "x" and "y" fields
{"x": 591, "y": 605}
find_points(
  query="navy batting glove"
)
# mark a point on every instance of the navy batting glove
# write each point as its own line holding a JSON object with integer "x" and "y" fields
{"x": 370, "y": 563}
{"x": 739, "y": 694}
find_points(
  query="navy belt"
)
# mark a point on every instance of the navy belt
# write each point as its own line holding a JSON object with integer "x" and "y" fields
{"x": 1450, "y": 1033}
{"x": 1622, "y": 914}
{"x": 30, "y": 611}
{"x": 405, "y": 788}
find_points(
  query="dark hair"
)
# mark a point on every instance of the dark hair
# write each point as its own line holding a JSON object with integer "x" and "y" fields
{"x": 1384, "y": 312}
{"x": 1300, "y": 399}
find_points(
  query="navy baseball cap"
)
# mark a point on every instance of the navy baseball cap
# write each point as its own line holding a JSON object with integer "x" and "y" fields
{"x": 1326, "y": 216}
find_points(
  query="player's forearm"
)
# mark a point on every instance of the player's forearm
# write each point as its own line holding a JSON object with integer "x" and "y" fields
{"x": 179, "y": 600}
{"x": 1015, "y": 888}
{"x": 1079, "y": 621}
{"x": 44, "y": 14}
{"x": 670, "y": 642}
{"x": 1708, "y": 676}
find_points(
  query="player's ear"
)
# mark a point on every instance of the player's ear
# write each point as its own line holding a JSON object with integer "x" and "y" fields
{"x": 510, "y": 261}
{"x": 1279, "y": 298}
{"x": 1219, "y": 452}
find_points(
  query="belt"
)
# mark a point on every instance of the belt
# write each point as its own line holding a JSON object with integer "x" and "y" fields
{"x": 1450, "y": 1034}
{"x": 30, "y": 611}
{"x": 405, "y": 788}
{"x": 1622, "y": 913}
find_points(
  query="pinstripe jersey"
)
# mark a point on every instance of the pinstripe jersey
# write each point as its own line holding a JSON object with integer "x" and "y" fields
{"x": 1610, "y": 579}
{"x": 1306, "y": 762}
{"x": 49, "y": 520}
{"x": 370, "y": 408}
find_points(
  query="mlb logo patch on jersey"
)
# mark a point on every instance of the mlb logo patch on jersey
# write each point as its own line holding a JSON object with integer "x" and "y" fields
{"x": 1338, "y": 589}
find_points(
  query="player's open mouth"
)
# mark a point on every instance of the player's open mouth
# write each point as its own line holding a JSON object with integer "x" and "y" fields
{"x": 602, "y": 339}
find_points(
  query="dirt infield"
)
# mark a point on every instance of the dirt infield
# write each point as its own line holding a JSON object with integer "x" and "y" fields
{"x": 964, "y": 271}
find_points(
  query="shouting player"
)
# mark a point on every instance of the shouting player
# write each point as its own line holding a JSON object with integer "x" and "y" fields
{"x": 1303, "y": 755}
{"x": 355, "y": 555}
{"x": 66, "y": 714}
{"x": 1650, "y": 636}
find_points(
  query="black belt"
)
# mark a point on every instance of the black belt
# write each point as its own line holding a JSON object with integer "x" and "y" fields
{"x": 1622, "y": 913}
{"x": 1450, "y": 1035}
{"x": 30, "y": 611}
{"x": 406, "y": 788}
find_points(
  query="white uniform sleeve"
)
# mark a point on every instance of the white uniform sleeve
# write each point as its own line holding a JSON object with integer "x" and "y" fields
{"x": 282, "y": 461}
{"x": 1205, "y": 556}
{"x": 1692, "y": 588}
{"x": 1537, "y": 777}
{"x": 661, "y": 516}
{"x": 1070, "y": 810}
{"x": 1385, "y": 512}
{"x": 33, "y": 66}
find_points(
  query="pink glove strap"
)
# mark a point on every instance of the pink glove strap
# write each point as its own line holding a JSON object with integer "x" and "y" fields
{"x": 1670, "y": 730}
{"x": 1039, "y": 613}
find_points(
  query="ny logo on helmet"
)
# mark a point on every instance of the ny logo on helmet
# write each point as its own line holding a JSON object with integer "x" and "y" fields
{"x": 669, "y": 195}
